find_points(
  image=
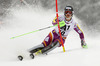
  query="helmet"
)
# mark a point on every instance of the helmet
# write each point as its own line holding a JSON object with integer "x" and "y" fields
{"x": 68, "y": 9}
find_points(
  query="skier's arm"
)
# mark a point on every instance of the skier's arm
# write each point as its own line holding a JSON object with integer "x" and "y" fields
{"x": 54, "y": 22}
{"x": 79, "y": 31}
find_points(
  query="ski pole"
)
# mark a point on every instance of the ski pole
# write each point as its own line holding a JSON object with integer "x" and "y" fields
{"x": 31, "y": 32}
{"x": 62, "y": 23}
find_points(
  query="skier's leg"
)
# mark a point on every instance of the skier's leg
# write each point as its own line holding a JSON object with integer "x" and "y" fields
{"x": 45, "y": 43}
{"x": 36, "y": 48}
{"x": 53, "y": 45}
{"x": 50, "y": 47}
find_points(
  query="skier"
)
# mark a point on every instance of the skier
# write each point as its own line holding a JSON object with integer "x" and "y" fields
{"x": 53, "y": 39}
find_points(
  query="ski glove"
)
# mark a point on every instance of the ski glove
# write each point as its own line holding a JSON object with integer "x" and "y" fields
{"x": 83, "y": 44}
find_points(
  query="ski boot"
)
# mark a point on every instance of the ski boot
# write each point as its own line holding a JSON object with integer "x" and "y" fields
{"x": 38, "y": 52}
{"x": 35, "y": 50}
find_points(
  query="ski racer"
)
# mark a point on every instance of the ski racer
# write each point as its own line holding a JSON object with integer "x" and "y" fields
{"x": 53, "y": 39}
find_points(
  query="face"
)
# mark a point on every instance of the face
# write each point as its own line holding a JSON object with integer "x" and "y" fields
{"x": 68, "y": 14}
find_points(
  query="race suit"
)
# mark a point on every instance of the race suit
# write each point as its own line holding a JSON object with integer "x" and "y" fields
{"x": 54, "y": 34}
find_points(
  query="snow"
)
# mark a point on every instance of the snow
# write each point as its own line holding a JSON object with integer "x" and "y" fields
{"x": 23, "y": 20}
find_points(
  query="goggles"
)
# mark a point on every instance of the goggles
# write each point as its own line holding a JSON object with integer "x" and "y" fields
{"x": 70, "y": 12}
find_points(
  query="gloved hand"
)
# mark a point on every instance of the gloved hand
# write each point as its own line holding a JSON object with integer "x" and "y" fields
{"x": 83, "y": 44}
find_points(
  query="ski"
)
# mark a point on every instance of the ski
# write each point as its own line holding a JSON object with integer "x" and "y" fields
{"x": 20, "y": 57}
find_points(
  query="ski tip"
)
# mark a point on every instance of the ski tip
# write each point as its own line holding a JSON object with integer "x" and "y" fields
{"x": 20, "y": 57}
{"x": 32, "y": 56}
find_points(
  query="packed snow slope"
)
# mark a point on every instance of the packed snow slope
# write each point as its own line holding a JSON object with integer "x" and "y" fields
{"x": 23, "y": 20}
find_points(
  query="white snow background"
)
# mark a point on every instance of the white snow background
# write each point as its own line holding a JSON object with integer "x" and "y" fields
{"x": 23, "y": 20}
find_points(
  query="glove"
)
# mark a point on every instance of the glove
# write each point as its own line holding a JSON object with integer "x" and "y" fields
{"x": 83, "y": 44}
